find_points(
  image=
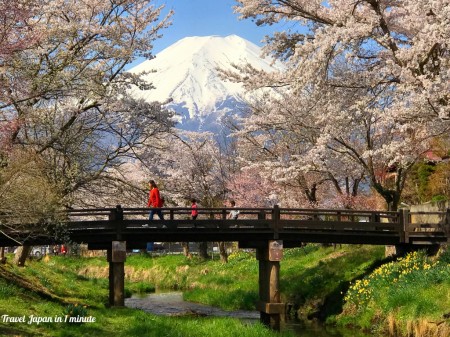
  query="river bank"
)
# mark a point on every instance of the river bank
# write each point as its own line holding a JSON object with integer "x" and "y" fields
{"x": 50, "y": 291}
{"x": 347, "y": 286}
{"x": 173, "y": 304}
{"x": 353, "y": 286}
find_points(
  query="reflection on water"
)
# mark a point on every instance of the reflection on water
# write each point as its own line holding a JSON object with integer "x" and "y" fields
{"x": 172, "y": 304}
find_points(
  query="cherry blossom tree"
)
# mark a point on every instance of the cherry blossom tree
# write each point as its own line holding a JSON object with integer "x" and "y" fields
{"x": 67, "y": 93}
{"x": 16, "y": 29}
{"x": 72, "y": 103}
{"x": 248, "y": 188}
{"x": 193, "y": 166}
{"x": 399, "y": 44}
{"x": 366, "y": 86}
{"x": 276, "y": 139}
{"x": 16, "y": 34}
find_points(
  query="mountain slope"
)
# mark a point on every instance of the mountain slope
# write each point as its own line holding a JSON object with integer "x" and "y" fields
{"x": 186, "y": 73}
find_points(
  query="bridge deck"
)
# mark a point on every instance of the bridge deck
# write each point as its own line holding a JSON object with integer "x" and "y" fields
{"x": 98, "y": 227}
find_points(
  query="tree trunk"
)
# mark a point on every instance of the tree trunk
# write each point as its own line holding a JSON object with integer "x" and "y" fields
{"x": 21, "y": 255}
{"x": 2, "y": 255}
{"x": 223, "y": 252}
{"x": 186, "y": 251}
{"x": 203, "y": 250}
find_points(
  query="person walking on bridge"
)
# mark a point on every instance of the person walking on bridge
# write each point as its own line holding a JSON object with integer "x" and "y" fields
{"x": 194, "y": 211}
{"x": 234, "y": 213}
{"x": 154, "y": 201}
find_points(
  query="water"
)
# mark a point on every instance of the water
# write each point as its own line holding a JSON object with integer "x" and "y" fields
{"x": 172, "y": 304}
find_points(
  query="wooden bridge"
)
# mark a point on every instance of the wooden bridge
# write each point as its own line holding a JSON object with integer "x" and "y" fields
{"x": 99, "y": 227}
{"x": 269, "y": 230}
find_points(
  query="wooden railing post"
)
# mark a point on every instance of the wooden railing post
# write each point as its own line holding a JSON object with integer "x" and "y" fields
{"x": 375, "y": 217}
{"x": 403, "y": 219}
{"x": 116, "y": 218}
{"x": 223, "y": 217}
{"x": 261, "y": 215}
{"x": 276, "y": 216}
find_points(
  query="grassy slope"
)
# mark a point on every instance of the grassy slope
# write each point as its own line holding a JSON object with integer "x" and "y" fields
{"x": 313, "y": 279}
{"x": 410, "y": 296}
{"x": 59, "y": 275}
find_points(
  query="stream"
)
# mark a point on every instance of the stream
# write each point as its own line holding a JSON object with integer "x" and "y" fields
{"x": 172, "y": 304}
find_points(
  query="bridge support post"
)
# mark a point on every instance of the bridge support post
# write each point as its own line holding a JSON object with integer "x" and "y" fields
{"x": 272, "y": 311}
{"x": 116, "y": 258}
{"x": 405, "y": 228}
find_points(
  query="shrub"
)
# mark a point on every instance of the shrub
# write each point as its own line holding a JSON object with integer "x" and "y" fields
{"x": 75, "y": 310}
{"x": 409, "y": 287}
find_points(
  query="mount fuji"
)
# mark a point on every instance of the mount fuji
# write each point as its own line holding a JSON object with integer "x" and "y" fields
{"x": 186, "y": 73}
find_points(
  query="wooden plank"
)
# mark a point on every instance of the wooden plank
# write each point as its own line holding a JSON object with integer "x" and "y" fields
{"x": 271, "y": 308}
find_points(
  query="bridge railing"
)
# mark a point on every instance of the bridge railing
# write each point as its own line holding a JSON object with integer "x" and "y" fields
{"x": 275, "y": 218}
{"x": 339, "y": 215}
{"x": 285, "y": 213}
{"x": 401, "y": 223}
{"x": 176, "y": 216}
{"x": 408, "y": 227}
{"x": 422, "y": 225}
{"x": 402, "y": 226}
{"x": 170, "y": 213}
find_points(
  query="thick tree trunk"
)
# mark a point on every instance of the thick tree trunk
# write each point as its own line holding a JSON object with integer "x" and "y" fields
{"x": 223, "y": 252}
{"x": 186, "y": 251}
{"x": 21, "y": 255}
{"x": 203, "y": 250}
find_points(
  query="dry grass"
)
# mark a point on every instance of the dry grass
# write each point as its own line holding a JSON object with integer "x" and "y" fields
{"x": 94, "y": 272}
{"x": 424, "y": 328}
{"x": 182, "y": 269}
{"x": 417, "y": 328}
{"x": 131, "y": 273}
{"x": 392, "y": 325}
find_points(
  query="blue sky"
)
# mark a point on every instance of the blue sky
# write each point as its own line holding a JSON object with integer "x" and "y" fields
{"x": 206, "y": 17}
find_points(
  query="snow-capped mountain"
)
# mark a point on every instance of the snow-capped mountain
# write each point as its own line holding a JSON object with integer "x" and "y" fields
{"x": 186, "y": 73}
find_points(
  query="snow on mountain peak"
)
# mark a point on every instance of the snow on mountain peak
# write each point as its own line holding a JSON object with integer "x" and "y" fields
{"x": 186, "y": 72}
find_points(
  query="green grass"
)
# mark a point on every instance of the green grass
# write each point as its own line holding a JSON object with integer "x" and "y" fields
{"x": 314, "y": 279}
{"x": 413, "y": 288}
{"x": 75, "y": 292}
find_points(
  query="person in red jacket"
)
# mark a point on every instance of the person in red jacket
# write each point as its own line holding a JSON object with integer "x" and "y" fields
{"x": 194, "y": 212}
{"x": 154, "y": 201}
